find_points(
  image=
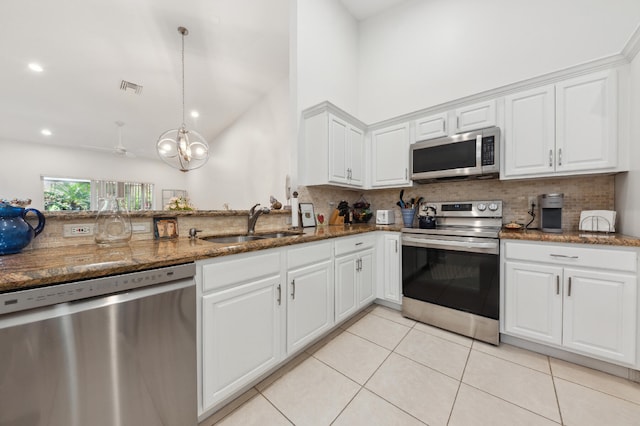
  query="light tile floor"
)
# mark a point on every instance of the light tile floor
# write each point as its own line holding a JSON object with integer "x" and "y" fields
{"x": 382, "y": 369}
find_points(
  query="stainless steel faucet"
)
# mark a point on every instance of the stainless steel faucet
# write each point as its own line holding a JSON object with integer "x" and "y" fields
{"x": 253, "y": 217}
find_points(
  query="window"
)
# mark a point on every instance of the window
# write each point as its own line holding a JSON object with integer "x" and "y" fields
{"x": 83, "y": 194}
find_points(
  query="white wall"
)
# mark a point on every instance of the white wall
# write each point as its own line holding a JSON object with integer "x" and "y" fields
{"x": 249, "y": 161}
{"x": 326, "y": 55}
{"x": 628, "y": 184}
{"x": 23, "y": 164}
{"x": 423, "y": 53}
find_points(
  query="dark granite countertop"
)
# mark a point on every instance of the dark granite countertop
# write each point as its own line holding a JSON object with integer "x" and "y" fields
{"x": 576, "y": 237}
{"x": 48, "y": 266}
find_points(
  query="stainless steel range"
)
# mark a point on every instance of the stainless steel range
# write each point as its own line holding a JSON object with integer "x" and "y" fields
{"x": 450, "y": 274}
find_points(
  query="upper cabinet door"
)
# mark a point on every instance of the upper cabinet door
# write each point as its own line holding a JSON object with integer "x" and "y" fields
{"x": 355, "y": 172}
{"x": 338, "y": 150}
{"x": 477, "y": 116}
{"x": 529, "y": 132}
{"x": 586, "y": 127}
{"x": 390, "y": 156}
{"x": 431, "y": 127}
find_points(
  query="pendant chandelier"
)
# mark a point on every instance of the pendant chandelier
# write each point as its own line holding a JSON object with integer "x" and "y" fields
{"x": 181, "y": 148}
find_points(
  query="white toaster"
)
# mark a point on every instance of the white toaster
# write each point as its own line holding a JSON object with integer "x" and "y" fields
{"x": 385, "y": 217}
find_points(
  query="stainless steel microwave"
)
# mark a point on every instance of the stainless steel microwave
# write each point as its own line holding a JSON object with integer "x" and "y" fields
{"x": 465, "y": 155}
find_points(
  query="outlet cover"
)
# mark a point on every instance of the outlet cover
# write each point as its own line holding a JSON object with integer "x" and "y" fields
{"x": 140, "y": 227}
{"x": 78, "y": 230}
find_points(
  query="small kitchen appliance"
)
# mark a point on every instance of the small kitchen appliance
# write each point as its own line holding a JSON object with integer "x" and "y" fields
{"x": 385, "y": 217}
{"x": 462, "y": 156}
{"x": 551, "y": 212}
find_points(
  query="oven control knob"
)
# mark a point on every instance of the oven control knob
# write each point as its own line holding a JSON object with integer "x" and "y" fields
{"x": 493, "y": 207}
{"x": 482, "y": 207}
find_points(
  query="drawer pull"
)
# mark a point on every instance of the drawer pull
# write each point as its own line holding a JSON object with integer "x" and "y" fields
{"x": 569, "y": 291}
{"x": 293, "y": 290}
{"x": 360, "y": 243}
{"x": 279, "y": 294}
{"x": 557, "y": 284}
{"x": 564, "y": 256}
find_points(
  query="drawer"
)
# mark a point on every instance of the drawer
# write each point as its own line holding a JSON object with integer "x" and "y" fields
{"x": 352, "y": 244}
{"x": 228, "y": 271}
{"x": 570, "y": 255}
{"x": 308, "y": 254}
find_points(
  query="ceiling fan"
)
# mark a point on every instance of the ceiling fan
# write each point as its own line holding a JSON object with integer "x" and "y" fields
{"x": 119, "y": 149}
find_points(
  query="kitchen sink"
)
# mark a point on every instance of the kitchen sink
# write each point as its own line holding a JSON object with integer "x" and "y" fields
{"x": 233, "y": 239}
{"x": 246, "y": 238}
{"x": 280, "y": 234}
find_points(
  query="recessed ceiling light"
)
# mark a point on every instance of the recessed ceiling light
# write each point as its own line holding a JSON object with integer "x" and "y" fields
{"x": 195, "y": 114}
{"x": 46, "y": 132}
{"x": 35, "y": 67}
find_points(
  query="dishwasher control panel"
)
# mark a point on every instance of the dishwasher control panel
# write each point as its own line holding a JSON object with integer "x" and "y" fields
{"x": 60, "y": 293}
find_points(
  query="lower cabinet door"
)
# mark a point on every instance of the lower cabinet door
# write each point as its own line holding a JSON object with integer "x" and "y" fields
{"x": 366, "y": 279}
{"x": 346, "y": 286}
{"x": 600, "y": 314}
{"x": 309, "y": 304}
{"x": 391, "y": 284}
{"x": 240, "y": 337}
{"x": 533, "y": 301}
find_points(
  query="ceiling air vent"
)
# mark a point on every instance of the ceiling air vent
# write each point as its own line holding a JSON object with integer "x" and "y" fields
{"x": 129, "y": 86}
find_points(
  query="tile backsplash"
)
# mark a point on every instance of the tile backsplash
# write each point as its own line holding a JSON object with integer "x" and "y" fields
{"x": 595, "y": 192}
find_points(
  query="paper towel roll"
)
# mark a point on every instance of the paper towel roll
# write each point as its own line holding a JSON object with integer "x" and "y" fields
{"x": 295, "y": 213}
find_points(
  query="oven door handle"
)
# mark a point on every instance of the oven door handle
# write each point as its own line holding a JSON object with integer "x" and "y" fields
{"x": 453, "y": 245}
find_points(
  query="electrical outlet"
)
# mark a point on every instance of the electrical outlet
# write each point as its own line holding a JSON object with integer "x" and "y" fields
{"x": 78, "y": 230}
{"x": 140, "y": 227}
{"x": 532, "y": 200}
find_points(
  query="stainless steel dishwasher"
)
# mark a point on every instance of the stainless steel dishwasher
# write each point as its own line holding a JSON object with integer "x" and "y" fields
{"x": 119, "y": 350}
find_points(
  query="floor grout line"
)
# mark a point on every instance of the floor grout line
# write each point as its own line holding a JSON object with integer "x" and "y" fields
{"x": 460, "y": 380}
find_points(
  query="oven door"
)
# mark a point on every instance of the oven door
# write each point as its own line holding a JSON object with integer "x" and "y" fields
{"x": 460, "y": 273}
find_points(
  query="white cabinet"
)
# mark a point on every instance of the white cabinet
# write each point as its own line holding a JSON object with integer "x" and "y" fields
{"x": 581, "y": 299}
{"x": 586, "y": 122}
{"x": 309, "y": 294}
{"x": 346, "y": 152}
{"x": 476, "y": 116}
{"x": 390, "y": 156}
{"x": 431, "y": 127}
{"x": 355, "y": 281}
{"x": 561, "y": 129}
{"x": 241, "y": 322}
{"x": 533, "y": 302}
{"x": 389, "y": 255}
{"x": 529, "y": 132}
{"x": 463, "y": 119}
{"x": 332, "y": 149}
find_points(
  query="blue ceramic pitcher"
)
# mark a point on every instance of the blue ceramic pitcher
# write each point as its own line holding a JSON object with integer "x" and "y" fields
{"x": 15, "y": 232}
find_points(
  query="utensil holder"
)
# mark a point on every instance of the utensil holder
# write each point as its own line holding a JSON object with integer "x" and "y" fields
{"x": 407, "y": 217}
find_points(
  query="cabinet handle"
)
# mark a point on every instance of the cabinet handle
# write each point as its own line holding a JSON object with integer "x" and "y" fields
{"x": 360, "y": 264}
{"x": 550, "y": 158}
{"x": 564, "y": 256}
{"x": 444, "y": 129}
{"x": 396, "y": 245}
{"x": 569, "y": 291}
{"x": 559, "y": 156}
{"x": 293, "y": 289}
{"x": 279, "y": 294}
{"x": 457, "y": 122}
{"x": 557, "y": 284}
{"x": 359, "y": 244}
